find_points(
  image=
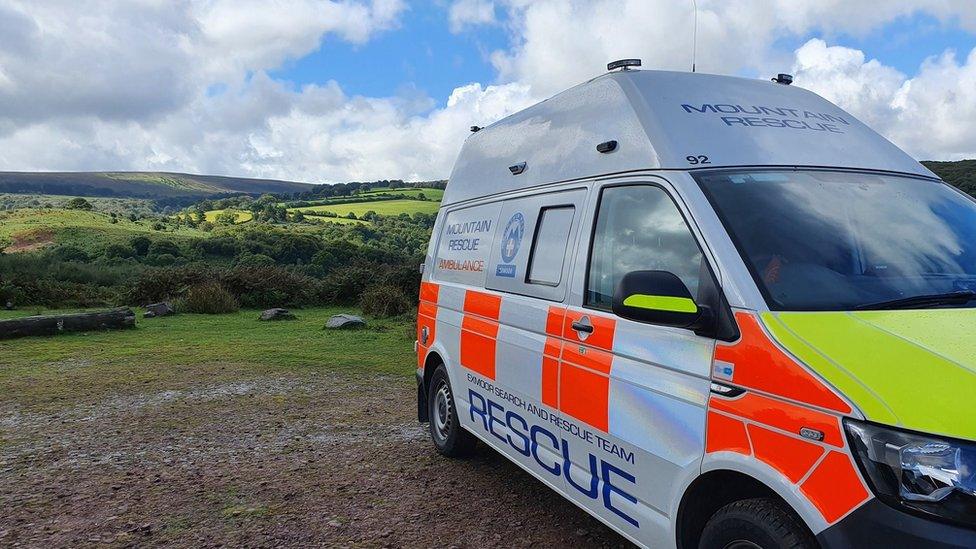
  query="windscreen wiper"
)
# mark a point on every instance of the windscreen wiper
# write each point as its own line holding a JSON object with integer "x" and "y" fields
{"x": 914, "y": 302}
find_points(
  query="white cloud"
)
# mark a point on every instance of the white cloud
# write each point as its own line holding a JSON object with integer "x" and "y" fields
{"x": 931, "y": 115}
{"x": 463, "y": 13}
{"x": 161, "y": 85}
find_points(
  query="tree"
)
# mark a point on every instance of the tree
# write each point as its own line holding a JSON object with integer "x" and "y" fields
{"x": 298, "y": 216}
{"x": 227, "y": 217}
{"x": 78, "y": 204}
{"x": 141, "y": 244}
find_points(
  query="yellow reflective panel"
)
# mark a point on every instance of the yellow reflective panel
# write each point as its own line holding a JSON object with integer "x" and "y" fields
{"x": 661, "y": 303}
{"x": 915, "y": 369}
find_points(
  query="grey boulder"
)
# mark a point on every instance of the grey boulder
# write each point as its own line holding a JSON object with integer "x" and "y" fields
{"x": 158, "y": 309}
{"x": 344, "y": 322}
{"x": 277, "y": 314}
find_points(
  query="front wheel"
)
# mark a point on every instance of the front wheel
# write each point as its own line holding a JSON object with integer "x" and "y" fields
{"x": 449, "y": 437}
{"x": 759, "y": 523}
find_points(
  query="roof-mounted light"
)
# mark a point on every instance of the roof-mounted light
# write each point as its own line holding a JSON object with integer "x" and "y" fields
{"x": 624, "y": 64}
{"x": 784, "y": 79}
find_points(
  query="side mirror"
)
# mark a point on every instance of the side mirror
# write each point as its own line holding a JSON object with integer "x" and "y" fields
{"x": 658, "y": 297}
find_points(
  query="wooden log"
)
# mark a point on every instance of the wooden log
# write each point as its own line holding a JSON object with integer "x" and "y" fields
{"x": 112, "y": 319}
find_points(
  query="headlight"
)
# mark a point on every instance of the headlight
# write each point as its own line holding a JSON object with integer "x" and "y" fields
{"x": 918, "y": 473}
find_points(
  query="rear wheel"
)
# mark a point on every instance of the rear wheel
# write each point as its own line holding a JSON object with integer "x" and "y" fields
{"x": 759, "y": 523}
{"x": 449, "y": 437}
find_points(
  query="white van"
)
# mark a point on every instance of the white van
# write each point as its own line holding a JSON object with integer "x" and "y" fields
{"x": 711, "y": 312}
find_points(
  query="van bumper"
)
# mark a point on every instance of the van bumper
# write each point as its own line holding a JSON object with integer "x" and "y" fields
{"x": 875, "y": 524}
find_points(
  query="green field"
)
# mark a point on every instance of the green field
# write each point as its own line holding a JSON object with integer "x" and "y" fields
{"x": 431, "y": 194}
{"x": 37, "y": 228}
{"x": 239, "y": 215}
{"x": 381, "y": 207}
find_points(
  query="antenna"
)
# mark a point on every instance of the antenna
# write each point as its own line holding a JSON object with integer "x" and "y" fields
{"x": 694, "y": 40}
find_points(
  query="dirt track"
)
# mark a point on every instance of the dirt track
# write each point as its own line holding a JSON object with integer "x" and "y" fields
{"x": 309, "y": 460}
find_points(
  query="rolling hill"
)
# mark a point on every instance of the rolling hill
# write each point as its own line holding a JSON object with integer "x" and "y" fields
{"x": 152, "y": 185}
{"x": 961, "y": 174}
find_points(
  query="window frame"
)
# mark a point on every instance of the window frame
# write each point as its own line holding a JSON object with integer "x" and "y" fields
{"x": 713, "y": 279}
{"x": 576, "y": 196}
{"x": 535, "y": 240}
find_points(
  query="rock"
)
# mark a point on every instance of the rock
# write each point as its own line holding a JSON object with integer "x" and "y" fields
{"x": 158, "y": 309}
{"x": 344, "y": 322}
{"x": 277, "y": 314}
{"x": 9, "y": 305}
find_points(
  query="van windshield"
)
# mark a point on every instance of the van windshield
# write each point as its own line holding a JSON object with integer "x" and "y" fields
{"x": 839, "y": 241}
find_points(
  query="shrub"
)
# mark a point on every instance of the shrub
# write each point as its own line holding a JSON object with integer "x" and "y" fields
{"x": 384, "y": 301}
{"x": 254, "y": 260}
{"x": 269, "y": 286}
{"x": 141, "y": 244}
{"x": 161, "y": 247}
{"x": 71, "y": 253}
{"x": 345, "y": 285}
{"x": 161, "y": 260}
{"x": 119, "y": 250}
{"x": 206, "y": 298}
{"x": 78, "y": 204}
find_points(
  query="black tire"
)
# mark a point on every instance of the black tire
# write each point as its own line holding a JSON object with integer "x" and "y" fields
{"x": 761, "y": 522}
{"x": 449, "y": 437}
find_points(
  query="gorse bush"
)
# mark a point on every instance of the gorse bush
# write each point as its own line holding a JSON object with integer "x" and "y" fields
{"x": 384, "y": 301}
{"x": 206, "y": 298}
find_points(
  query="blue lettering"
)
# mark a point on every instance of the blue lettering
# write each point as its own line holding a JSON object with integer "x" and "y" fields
{"x": 480, "y": 411}
{"x": 554, "y": 469}
{"x": 524, "y": 449}
{"x": 609, "y": 489}
{"x": 492, "y": 420}
{"x": 529, "y": 445}
{"x": 705, "y": 108}
{"x": 567, "y": 468}
{"x": 731, "y": 120}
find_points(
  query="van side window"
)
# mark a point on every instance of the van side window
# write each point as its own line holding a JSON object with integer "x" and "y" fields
{"x": 639, "y": 228}
{"x": 549, "y": 246}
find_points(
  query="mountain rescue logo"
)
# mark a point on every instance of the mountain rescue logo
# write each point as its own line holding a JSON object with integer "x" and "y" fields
{"x": 512, "y": 239}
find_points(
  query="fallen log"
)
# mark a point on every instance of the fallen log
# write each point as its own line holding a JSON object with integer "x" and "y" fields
{"x": 112, "y": 319}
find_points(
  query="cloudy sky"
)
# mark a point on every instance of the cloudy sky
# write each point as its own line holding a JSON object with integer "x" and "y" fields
{"x": 338, "y": 90}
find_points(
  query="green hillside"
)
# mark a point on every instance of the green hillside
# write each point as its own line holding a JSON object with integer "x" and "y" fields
{"x": 34, "y": 229}
{"x": 961, "y": 174}
{"x": 429, "y": 194}
{"x": 153, "y": 185}
{"x": 381, "y": 207}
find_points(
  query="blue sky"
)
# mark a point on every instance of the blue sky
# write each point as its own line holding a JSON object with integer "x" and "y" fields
{"x": 224, "y": 86}
{"x": 903, "y": 44}
{"x": 423, "y": 54}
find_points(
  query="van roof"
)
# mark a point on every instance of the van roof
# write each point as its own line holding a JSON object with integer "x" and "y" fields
{"x": 670, "y": 121}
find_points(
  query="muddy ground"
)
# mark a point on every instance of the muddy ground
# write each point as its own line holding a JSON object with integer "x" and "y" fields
{"x": 312, "y": 459}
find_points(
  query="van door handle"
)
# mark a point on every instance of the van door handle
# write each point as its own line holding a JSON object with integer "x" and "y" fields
{"x": 580, "y": 327}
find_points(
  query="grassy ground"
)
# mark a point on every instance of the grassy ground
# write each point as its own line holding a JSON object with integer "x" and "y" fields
{"x": 32, "y": 372}
{"x": 381, "y": 207}
{"x": 223, "y": 431}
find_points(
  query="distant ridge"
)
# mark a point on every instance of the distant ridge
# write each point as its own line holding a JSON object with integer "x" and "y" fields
{"x": 151, "y": 185}
{"x": 961, "y": 173}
